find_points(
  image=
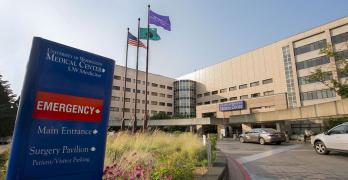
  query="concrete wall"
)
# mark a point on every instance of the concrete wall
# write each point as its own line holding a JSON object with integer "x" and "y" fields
{"x": 263, "y": 104}
{"x": 318, "y": 111}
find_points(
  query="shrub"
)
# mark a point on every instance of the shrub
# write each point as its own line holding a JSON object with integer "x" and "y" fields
{"x": 3, "y": 164}
{"x": 154, "y": 155}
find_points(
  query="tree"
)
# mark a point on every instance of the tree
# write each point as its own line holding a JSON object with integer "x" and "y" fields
{"x": 341, "y": 87}
{"x": 8, "y": 108}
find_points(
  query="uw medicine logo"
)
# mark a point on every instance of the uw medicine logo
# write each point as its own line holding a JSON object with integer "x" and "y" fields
{"x": 54, "y": 106}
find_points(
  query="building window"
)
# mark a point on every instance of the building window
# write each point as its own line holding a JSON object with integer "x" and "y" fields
{"x": 214, "y": 101}
{"x": 116, "y": 109}
{"x": 253, "y": 84}
{"x": 169, "y": 88}
{"x": 116, "y": 87}
{"x": 115, "y": 98}
{"x": 289, "y": 77}
{"x": 207, "y": 102}
{"x": 162, "y": 104}
{"x": 154, "y": 103}
{"x": 153, "y": 112}
{"x": 214, "y": 92}
{"x": 143, "y": 101}
{"x": 126, "y": 110}
{"x": 223, "y": 100}
{"x": 232, "y": 88}
{"x": 199, "y": 95}
{"x": 207, "y": 94}
{"x": 342, "y": 55}
{"x": 162, "y": 86}
{"x": 169, "y": 104}
{"x": 233, "y": 98}
{"x": 307, "y": 80}
{"x": 154, "y": 85}
{"x": 127, "y": 89}
{"x": 268, "y": 93}
{"x": 243, "y": 86}
{"x": 129, "y": 80}
{"x": 255, "y": 95}
{"x": 340, "y": 38}
{"x": 243, "y": 97}
{"x": 117, "y": 77}
{"x": 154, "y": 94}
{"x": 162, "y": 95}
{"x": 319, "y": 94}
{"x": 138, "y": 100}
{"x": 198, "y": 104}
{"x": 137, "y": 91}
{"x": 267, "y": 81}
{"x": 127, "y": 99}
{"x": 312, "y": 62}
{"x": 169, "y": 96}
{"x": 310, "y": 47}
{"x": 223, "y": 90}
{"x": 169, "y": 113}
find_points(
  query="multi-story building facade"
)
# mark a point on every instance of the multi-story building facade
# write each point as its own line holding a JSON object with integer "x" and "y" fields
{"x": 160, "y": 94}
{"x": 275, "y": 76}
{"x": 270, "y": 78}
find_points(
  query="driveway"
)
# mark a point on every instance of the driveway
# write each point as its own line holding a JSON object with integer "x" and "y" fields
{"x": 286, "y": 161}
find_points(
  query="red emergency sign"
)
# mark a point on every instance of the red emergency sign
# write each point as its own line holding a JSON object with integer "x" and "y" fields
{"x": 54, "y": 106}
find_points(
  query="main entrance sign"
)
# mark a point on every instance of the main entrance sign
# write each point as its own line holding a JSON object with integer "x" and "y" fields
{"x": 61, "y": 126}
{"x": 237, "y": 105}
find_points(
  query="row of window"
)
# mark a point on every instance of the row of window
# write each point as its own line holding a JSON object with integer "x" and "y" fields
{"x": 343, "y": 55}
{"x": 115, "y": 98}
{"x": 143, "y": 92}
{"x": 319, "y": 94}
{"x": 310, "y": 47}
{"x": 117, "y": 109}
{"x": 307, "y": 80}
{"x": 255, "y": 95}
{"x": 243, "y": 86}
{"x": 139, "y": 82}
{"x": 340, "y": 38}
{"x": 312, "y": 62}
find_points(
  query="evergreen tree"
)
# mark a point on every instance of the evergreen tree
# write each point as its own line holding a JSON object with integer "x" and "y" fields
{"x": 8, "y": 108}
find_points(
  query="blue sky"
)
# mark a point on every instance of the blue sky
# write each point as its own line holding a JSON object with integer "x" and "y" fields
{"x": 204, "y": 32}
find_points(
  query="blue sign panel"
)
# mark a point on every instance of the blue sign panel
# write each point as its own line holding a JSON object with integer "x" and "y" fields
{"x": 232, "y": 106}
{"x": 60, "y": 131}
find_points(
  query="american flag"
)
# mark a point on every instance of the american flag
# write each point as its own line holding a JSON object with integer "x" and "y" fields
{"x": 132, "y": 40}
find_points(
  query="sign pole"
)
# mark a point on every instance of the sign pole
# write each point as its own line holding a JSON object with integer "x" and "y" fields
{"x": 134, "y": 129}
{"x": 125, "y": 85}
{"x": 147, "y": 70}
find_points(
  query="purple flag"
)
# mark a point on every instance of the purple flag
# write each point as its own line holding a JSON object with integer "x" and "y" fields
{"x": 159, "y": 20}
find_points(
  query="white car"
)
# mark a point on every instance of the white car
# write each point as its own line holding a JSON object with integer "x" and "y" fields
{"x": 336, "y": 139}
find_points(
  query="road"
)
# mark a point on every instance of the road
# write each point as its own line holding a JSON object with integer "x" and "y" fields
{"x": 286, "y": 161}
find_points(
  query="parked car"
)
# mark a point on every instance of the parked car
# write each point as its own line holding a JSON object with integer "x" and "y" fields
{"x": 263, "y": 136}
{"x": 336, "y": 139}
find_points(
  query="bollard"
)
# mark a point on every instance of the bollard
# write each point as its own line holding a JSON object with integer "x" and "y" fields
{"x": 204, "y": 140}
{"x": 209, "y": 153}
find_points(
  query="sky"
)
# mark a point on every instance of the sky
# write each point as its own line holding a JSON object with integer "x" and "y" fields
{"x": 204, "y": 32}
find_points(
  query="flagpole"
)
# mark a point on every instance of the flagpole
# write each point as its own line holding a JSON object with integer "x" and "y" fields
{"x": 147, "y": 70}
{"x": 136, "y": 82}
{"x": 125, "y": 85}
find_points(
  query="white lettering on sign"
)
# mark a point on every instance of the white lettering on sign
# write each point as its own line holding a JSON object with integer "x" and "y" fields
{"x": 69, "y": 108}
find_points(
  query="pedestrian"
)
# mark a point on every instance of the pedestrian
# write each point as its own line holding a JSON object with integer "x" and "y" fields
{"x": 307, "y": 134}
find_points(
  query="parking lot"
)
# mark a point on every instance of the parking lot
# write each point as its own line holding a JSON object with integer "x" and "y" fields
{"x": 286, "y": 161}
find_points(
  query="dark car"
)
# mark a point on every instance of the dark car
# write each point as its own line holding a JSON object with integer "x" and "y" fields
{"x": 263, "y": 136}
